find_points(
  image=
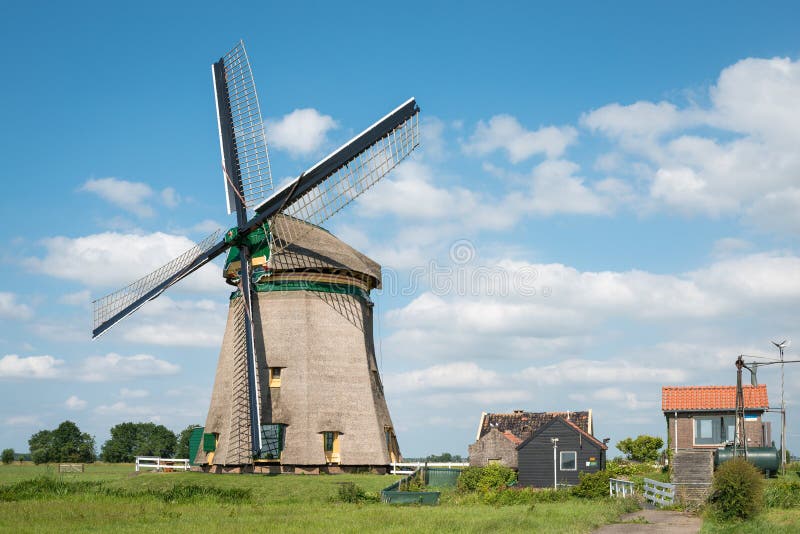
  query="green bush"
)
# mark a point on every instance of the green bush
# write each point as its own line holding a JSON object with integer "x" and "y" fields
{"x": 415, "y": 483}
{"x": 486, "y": 478}
{"x": 592, "y": 485}
{"x": 623, "y": 468}
{"x": 353, "y": 493}
{"x": 737, "y": 491}
{"x": 782, "y": 494}
{"x": 8, "y": 456}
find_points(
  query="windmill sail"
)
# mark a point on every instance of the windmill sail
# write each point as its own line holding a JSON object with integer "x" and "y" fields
{"x": 250, "y": 177}
{"x": 115, "y": 306}
{"x": 327, "y": 187}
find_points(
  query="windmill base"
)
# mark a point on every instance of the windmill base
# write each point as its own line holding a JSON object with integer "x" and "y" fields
{"x": 274, "y": 469}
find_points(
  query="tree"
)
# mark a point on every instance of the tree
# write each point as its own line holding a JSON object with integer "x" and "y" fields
{"x": 444, "y": 457}
{"x": 129, "y": 440}
{"x": 8, "y": 456}
{"x": 642, "y": 449}
{"x": 183, "y": 442}
{"x": 66, "y": 443}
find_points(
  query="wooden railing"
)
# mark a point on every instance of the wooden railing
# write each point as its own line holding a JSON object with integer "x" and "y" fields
{"x": 161, "y": 464}
{"x": 406, "y": 468}
{"x": 659, "y": 492}
{"x": 620, "y": 488}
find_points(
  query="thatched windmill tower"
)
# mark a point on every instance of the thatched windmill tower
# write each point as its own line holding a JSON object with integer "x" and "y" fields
{"x": 321, "y": 397}
{"x": 297, "y": 385}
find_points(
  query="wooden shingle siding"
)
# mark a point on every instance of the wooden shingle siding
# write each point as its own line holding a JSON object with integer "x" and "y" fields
{"x": 535, "y": 456}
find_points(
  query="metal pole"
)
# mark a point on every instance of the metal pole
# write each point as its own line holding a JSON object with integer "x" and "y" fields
{"x": 555, "y": 463}
{"x": 783, "y": 419}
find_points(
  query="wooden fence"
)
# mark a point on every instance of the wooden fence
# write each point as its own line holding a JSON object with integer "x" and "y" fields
{"x": 407, "y": 468}
{"x": 161, "y": 464}
{"x": 620, "y": 488}
{"x": 659, "y": 492}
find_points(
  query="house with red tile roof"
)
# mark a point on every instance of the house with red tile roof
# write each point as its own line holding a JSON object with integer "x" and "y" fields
{"x": 704, "y": 417}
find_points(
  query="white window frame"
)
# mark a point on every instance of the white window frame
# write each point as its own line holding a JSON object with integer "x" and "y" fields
{"x": 718, "y": 423}
{"x": 561, "y": 460}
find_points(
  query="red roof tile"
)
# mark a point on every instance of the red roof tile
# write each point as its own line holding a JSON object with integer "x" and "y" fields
{"x": 694, "y": 398}
{"x": 512, "y": 438}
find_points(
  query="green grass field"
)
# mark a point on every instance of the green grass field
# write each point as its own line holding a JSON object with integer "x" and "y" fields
{"x": 115, "y": 499}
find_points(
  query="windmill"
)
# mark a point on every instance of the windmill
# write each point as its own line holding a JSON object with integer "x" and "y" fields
{"x": 277, "y": 257}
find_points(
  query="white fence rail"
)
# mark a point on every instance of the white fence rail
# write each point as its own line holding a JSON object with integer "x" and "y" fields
{"x": 161, "y": 464}
{"x": 620, "y": 488}
{"x": 659, "y": 492}
{"x": 406, "y": 468}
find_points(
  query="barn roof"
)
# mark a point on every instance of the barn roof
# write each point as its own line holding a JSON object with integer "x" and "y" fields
{"x": 703, "y": 398}
{"x": 571, "y": 426}
{"x": 315, "y": 249}
{"x": 522, "y": 424}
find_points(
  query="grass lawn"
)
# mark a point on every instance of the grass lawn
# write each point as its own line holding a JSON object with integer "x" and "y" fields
{"x": 118, "y": 500}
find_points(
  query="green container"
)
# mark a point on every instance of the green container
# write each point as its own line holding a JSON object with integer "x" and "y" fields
{"x": 410, "y": 497}
{"x": 195, "y": 438}
{"x": 767, "y": 459}
{"x": 441, "y": 477}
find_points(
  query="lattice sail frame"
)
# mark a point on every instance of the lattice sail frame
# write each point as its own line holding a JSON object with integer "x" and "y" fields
{"x": 107, "y": 307}
{"x": 250, "y": 141}
{"x": 348, "y": 182}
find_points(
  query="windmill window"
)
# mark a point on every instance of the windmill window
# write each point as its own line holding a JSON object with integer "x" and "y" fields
{"x": 274, "y": 377}
{"x": 330, "y": 445}
{"x": 569, "y": 460}
{"x": 272, "y": 441}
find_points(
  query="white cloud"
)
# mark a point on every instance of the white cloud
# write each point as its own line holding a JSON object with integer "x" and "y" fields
{"x": 78, "y": 298}
{"x": 172, "y": 323}
{"x": 112, "y": 259}
{"x": 74, "y": 403}
{"x": 170, "y": 197}
{"x": 23, "y": 420}
{"x": 10, "y": 308}
{"x": 601, "y": 371}
{"x": 730, "y": 246}
{"x": 126, "y": 393}
{"x": 556, "y": 190}
{"x": 114, "y": 367}
{"x": 745, "y": 163}
{"x": 301, "y": 132}
{"x": 504, "y": 132}
{"x": 130, "y": 196}
{"x": 12, "y": 366}
{"x": 457, "y": 375}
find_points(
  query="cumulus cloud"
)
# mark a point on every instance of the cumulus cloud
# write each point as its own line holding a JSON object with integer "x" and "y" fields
{"x": 177, "y": 323}
{"x": 126, "y": 393}
{"x": 504, "y": 132}
{"x": 10, "y": 308}
{"x": 301, "y": 132}
{"x": 113, "y": 259}
{"x": 745, "y": 160}
{"x": 133, "y": 197}
{"x": 114, "y": 367}
{"x": 75, "y": 403}
{"x": 14, "y": 366}
{"x": 601, "y": 371}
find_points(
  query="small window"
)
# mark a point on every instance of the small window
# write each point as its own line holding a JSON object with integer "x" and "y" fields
{"x": 714, "y": 430}
{"x": 330, "y": 444}
{"x": 274, "y": 377}
{"x": 569, "y": 460}
{"x": 210, "y": 442}
{"x": 272, "y": 441}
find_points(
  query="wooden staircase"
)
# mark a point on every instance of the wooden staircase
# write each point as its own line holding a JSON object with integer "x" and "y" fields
{"x": 692, "y": 472}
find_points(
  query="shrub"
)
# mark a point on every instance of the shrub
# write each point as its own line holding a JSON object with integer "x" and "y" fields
{"x": 736, "y": 492}
{"x": 642, "y": 449}
{"x": 592, "y": 485}
{"x": 782, "y": 494}
{"x": 486, "y": 478}
{"x": 415, "y": 483}
{"x": 8, "y": 456}
{"x": 353, "y": 493}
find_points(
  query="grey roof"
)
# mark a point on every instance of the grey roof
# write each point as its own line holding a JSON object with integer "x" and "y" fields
{"x": 313, "y": 249}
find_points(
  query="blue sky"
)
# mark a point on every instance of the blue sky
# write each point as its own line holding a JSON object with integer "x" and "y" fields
{"x": 638, "y": 164}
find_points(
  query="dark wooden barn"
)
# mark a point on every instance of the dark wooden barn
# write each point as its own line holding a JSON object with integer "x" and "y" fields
{"x": 576, "y": 451}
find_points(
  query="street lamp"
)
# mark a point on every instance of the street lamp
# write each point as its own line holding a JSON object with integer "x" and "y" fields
{"x": 555, "y": 463}
{"x": 781, "y": 346}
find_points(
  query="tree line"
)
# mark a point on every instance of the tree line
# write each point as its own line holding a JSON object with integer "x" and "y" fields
{"x": 66, "y": 443}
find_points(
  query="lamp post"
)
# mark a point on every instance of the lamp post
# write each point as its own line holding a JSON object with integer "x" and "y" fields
{"x": 780, "y": 346}
{"x": 555, "y": 462}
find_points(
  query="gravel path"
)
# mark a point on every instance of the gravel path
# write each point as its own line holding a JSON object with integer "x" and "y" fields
{"x": 657, "y": 521}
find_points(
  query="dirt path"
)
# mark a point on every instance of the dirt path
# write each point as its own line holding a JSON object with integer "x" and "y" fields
{"x": 656, "y": 521}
